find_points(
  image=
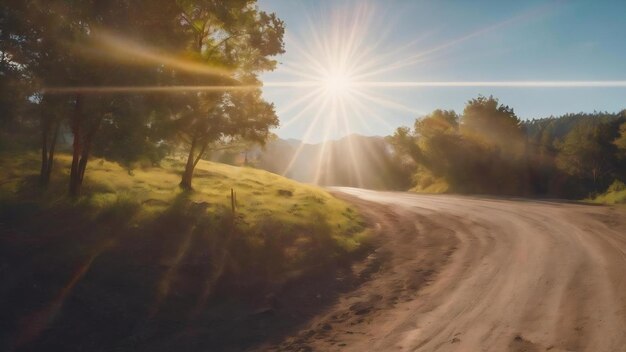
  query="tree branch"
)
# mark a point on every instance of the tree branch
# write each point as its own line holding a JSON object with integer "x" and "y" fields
{"x": 223, "y": 41}
{"x": 200, "y": 154}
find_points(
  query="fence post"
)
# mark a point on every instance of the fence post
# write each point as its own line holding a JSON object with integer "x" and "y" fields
{"x": 232, "y": 200}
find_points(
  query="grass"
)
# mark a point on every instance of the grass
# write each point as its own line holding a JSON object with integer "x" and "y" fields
{"x": 134, "y": 249}
{"x": 260, "y": 195}
{"x": 615, "y": 194}
{"x": 426, "y": 182}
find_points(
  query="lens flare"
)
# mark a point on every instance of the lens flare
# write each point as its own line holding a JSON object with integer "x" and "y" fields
{"x": 337, "y": 83}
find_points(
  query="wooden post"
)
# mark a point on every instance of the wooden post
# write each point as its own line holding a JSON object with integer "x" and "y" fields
{"x": 232, "y": 200}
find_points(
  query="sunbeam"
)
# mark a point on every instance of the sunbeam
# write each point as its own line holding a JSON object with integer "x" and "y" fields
{"x": 302, "y": 113}
{"x": 305, "y": 138}
{"x": 353, "y": 160}
{"x": 122, "y": 49}
{"x": 143, "y": 89}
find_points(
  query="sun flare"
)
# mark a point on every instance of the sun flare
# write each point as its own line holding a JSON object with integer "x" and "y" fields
{"x": 344, "y": 64}
{"x": 333, "y": 66}
{"x": 337, "y": 83}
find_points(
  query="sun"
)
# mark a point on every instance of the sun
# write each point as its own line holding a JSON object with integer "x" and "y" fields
{"x": 337, "y": 83}
{"x": 332, "y": 67}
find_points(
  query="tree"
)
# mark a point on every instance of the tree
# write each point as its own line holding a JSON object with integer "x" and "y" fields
{"x": 482, "y": 151}
{"x": 47, "y": 44}
{"x": 433, "y": 145}
{"x": 132, "y": 43}
{"x": 501, "y": 165}
{"x": 405, "y": 144}
{"x": 51, "y": 110}
{"x": 587, "y": 153}
{"x": 141, "y": 23}
{"x": 241, "y": 115}
{"x": 493, "y": 124}
{"x": 241, "y": 39}
{"x": 620, "y": 142}
{"x": 27, "y": 61}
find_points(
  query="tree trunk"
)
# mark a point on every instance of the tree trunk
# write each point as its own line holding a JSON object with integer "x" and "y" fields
{"x": 53, "y": 143}
{"x": 82, "y": 164}
{"x": 192, "y": 161}
{"x": 50, "y": 125}
{"x": 45, "y": 129}
{"x": 199, "y": 156}
{"x": 185, "y": 182}
{"x": 75, "y": 181}
{"x": 82, "y": 148}
{"x": 48, "y": 145}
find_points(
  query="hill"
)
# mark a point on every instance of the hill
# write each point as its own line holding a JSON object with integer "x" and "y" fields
{"x": 353, "y": 161}
{"x": 136, "y": 252}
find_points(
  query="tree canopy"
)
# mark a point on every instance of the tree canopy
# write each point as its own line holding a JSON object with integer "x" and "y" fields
{"x": 488, "y": 149}
{"x": 87, "y": 65}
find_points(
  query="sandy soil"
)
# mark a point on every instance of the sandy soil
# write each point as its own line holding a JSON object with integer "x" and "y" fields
{"x": 454, "y": 273}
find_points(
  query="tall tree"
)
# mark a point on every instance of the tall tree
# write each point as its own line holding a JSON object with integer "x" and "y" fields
{"x": 488, "y": 122}
{"x": 239, "y": 38}
{"x": 620, "y": 142}
{"x": 30, "y": 59}
{"x": 587, "y": 153}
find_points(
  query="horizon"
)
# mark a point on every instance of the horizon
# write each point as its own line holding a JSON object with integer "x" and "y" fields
{"x": 541, "y": 58}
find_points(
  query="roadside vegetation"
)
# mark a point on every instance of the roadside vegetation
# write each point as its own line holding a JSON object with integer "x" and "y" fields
{"x": 136, "y": 249}
{"x": 615, "y": 194}
{"x": 114, "y": 230}
{"x": 488, "y": 150}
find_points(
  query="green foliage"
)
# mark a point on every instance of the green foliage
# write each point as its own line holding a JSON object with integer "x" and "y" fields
{"x": 620, "y": 142}
{"x": 489, "y": 150}
{"x": 479, "y": 152}
{"x": 586, "y": 152}
{"x": 489, "y": 122}
{"x": 425, "y": 182}
{"x": 125, "y": 43}
{"x": 615, "y": 194}
{"x": 617, "y": 186}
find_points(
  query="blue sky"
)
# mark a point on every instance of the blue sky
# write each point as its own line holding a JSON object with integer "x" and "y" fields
{"x": 472, "y": 41}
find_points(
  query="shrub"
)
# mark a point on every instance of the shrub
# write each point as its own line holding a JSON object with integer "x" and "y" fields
{"x": 617, "y": 186}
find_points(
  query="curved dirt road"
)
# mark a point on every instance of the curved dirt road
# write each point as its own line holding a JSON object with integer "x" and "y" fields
{"x": 455, "y": 273}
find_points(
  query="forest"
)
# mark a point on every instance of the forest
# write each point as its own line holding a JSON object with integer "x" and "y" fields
{"x": 489, "y": 150}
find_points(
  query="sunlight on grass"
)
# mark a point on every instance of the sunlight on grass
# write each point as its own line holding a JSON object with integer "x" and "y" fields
{"x": 259, "y": 194}
{"x": 616, "y": 194}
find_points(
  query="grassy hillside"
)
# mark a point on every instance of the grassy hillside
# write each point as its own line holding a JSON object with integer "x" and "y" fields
{"x": 260, "y": 195}
{"x": 135, "y": 250}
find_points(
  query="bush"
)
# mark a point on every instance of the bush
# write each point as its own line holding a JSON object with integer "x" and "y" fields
{"x": 616, "y": 186}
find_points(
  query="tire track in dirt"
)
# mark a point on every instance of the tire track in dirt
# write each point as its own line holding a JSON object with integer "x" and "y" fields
{"x": 480, "y": 274}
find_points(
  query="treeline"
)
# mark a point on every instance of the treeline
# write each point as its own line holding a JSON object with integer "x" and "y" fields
{"x": 488, "y": 150}
{"x": 130, "y": 80}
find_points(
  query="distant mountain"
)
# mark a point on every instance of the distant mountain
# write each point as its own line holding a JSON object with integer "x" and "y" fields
{"x": 355, "y": 160}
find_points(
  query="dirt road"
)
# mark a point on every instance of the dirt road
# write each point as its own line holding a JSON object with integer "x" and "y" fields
{"x": 457, "y": 273}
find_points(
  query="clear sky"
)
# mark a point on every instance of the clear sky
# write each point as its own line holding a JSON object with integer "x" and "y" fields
{"x": 343, "y": 59}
